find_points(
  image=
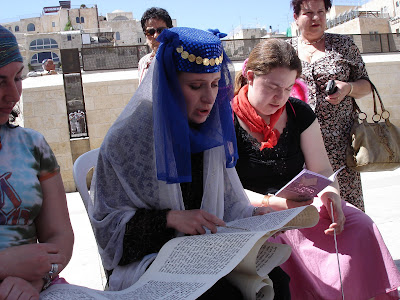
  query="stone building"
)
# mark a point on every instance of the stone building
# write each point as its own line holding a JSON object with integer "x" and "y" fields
{"x": 63, "y": 27}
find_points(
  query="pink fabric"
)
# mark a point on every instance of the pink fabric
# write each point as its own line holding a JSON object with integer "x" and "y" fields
{"x": 59, "y": 280}
{"x": 367, "y": 267}
{"x": 300, "y": 90}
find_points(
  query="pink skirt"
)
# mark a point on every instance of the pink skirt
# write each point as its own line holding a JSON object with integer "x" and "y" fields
{"x": 367, "y": 267}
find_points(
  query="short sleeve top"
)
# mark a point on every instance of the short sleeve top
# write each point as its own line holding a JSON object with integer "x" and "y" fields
{"x": 25, "y": 160}
{"x": 268, "y": 170}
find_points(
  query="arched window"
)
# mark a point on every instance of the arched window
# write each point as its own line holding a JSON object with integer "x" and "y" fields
{"x": 43, "y": 44}
{"x": 16, "y": 28}
{"x": 31, "y": 27}
{"x": 82, "y": 20}
{"x": 77, "y": 20}
{"x": 39, "y": 57}
{"x": 117, "y": 36}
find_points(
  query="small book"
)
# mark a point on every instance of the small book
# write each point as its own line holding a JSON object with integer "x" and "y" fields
{"x": 306, "y": 185}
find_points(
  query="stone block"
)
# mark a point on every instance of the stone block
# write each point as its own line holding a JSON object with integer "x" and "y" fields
{"x": 125, "y": 88}
{"x": 44, "y": 108}
{"x": 100, "y": 131}
{"x": 95, "y": 90}
{"x": 69, "y": 186}
{"x": 27, "y": 109}
{"x": 55, "y": 94}
{"x": 36, "y": 123}
{"x": 89, "y": 103}
{"x": 54, "y": 135}
{"x": 61, "y": 148}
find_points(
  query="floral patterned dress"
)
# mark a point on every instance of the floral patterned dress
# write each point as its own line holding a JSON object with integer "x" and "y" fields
{"x": 343, "y": 62}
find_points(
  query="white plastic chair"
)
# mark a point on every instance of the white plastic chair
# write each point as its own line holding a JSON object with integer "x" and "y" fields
{"x": 81, "y": 168}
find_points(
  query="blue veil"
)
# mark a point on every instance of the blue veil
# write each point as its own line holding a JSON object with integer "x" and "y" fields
{"x": 195, "y": 51}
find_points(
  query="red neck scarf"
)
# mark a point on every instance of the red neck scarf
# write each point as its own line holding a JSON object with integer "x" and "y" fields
{"x": 243, "y": 109}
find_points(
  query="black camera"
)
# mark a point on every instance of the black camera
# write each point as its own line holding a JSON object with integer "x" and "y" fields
{"x": 331, "y": 87}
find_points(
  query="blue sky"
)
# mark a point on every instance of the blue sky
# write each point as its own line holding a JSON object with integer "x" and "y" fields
{"x": 223, "y": 14}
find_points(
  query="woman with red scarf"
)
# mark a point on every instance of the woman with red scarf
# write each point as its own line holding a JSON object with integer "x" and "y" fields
{"x": 277, "y": 136}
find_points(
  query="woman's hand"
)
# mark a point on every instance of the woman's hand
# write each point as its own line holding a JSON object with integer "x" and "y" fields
{"x": 278, "y": 203}
{"x": 343, "y": 89}
{"x": 262, "y": 210}
{"x": 30, "y": 262}
{"x": 339, "y": 218}
{"x": 14, "y": 288}
{"x": 193, "y": 221}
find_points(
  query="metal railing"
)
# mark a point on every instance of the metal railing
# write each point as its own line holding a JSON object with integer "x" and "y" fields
{"x": 353, "y": 14}
{"x": 111, "y": 58}
{"x": 124, "y": 57}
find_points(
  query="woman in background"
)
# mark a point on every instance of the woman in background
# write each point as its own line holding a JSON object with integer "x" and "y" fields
{"x": 326, "y": 56}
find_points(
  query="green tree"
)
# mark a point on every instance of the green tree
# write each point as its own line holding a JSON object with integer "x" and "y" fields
{"x": 68, "y": 26}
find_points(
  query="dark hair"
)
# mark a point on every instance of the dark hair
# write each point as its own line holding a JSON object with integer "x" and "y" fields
{"x": 156, "y": 13}
{"x": 296, "y": 5}
{"x": 13, "y": 117}
{"x": 268, "y": 55}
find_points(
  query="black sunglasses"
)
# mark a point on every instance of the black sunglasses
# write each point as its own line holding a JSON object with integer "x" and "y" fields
{"x": 152, "y": 31}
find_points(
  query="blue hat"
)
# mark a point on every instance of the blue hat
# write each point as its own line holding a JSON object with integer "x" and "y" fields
{"x": 9, "y": 51}
{"x": 198, "y": 51}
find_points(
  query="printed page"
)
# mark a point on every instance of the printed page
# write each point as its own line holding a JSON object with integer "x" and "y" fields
{"x": 151, "y": 290}
{"x": 263, "y": 257}
{"x": 188, "y": 266}
{"x": 304, "y": 216}
{"x": 185, "y": 268}
{"x": 201, "y": 259}
{"x": 70, "y": 292}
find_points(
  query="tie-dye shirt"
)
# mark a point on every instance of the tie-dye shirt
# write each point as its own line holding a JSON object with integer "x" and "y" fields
{"x": 25, "y": 160}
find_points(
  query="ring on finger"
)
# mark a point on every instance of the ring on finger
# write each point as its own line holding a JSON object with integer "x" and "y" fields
{"x": 54, "y": 269}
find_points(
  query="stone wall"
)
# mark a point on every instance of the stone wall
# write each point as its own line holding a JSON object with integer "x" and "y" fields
{"x": 384, "y": 72}
{"x": 44, "y": 109}
{"x": 107, "y": 93}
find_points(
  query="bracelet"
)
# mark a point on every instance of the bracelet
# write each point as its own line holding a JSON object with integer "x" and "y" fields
{"x": 351, "y": 89}
{"x": 47, "y": 281}
{"x": 49, "y": 276}
{"x": 265, "y": 201}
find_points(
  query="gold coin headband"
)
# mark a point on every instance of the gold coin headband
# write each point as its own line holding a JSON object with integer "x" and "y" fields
{"x": 198, "y": 59}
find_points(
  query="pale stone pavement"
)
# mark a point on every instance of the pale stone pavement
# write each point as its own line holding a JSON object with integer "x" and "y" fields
{"x": 382, "y": 202}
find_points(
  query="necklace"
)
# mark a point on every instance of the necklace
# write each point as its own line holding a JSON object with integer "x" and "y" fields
{"x": 313, "y": 43}
{"x": 310, "y": 53}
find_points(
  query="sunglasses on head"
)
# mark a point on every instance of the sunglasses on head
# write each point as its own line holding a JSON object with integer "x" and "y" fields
{"x": 152, "y": 31}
